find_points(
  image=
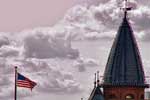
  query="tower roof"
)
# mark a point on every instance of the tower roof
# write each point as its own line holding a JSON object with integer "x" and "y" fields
{"x": 124, "y": 66}
{"x": 96, "y": 94}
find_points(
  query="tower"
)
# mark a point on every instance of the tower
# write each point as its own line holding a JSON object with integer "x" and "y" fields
{"x": 124, "y": 77}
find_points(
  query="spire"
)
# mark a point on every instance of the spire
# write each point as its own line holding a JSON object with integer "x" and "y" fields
{"x": 98, "y": 78}
{"x": 95, "y": 80}
{"x": 96, "y": 94}
{"x": 124, "y": 65}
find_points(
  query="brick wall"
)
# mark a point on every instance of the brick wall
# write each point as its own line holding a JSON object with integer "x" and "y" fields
{"x": 123, "y": 93}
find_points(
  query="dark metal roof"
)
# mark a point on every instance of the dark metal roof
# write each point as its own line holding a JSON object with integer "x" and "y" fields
{"x": 124, "y": 66}
{"x": 96, "y": 94}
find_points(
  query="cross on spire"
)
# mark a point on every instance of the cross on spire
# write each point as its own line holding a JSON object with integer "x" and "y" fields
{"x": 126, "y": 8}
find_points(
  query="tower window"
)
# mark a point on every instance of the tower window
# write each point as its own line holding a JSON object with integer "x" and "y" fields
{"x": 129, "y": 97}
{"x": 142, "y": 97}
{"x": 112, "y": 97}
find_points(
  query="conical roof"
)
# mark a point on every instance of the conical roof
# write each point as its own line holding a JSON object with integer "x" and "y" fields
{"x": 124, "y": 66}
{"x": 96, "y": 94}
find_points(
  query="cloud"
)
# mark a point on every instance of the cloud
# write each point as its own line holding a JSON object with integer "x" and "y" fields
{"x": 36, "y": 50}
{"x": 85, "y": 23}
{"x": 81, "y": 64}
{"x": 49, "y": 78}
{"x": 5, "y": 69}
{"x": 43, "y": 46}
{"x": 52, "y": 79}
{"x": 4, "y": 40}
{"x": 146, "y": 69}
{"x": 81, "y": 23}
{"x": 141, "y": 18}
{"x": 60, "y": 83}
{"x": 8, "y": 93}
{"x": 8, "y": 51}
{"x": 145, "y": 36}
{"x": 91, "y": 23}
{"x": 4, "y": 81}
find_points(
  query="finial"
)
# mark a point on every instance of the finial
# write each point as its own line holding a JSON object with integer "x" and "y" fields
{"x": 126, "y": 8}
{"x": 95, "y": 81}
{"x": 81, "y": 98}
{"x": 97, "y": 77}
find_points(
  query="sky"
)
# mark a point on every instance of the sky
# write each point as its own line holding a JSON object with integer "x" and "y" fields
{"x": 18, "y": 15}
{"x": 60, "y": 44}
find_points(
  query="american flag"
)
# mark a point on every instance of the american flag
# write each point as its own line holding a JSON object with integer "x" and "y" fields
{"x": 22, "y": 81}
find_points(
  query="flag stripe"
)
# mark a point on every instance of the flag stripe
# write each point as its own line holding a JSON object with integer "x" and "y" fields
{"x": 23, "y": 83}
{"x": 24, "y": 86}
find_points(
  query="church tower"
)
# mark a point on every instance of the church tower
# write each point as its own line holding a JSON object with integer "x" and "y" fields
{"x": 124, "y": 77}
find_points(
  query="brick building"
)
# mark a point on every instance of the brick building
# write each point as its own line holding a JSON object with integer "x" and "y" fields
{"x": 124, "y": 77}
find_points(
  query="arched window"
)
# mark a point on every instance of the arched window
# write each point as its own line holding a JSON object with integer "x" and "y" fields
{"x": 142, "y": 97}
{"x": 129, "y": 97}
{"x": 112, "y": 97}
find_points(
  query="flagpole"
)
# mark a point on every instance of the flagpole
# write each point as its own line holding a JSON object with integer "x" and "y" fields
{"x": 15, "y": 95}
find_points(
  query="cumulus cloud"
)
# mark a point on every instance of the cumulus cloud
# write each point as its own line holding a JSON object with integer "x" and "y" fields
{"x": 93, "y": 22}
{"x": 141, "y": 17}
{"x": 34, "y": 49}
{"x": 8, "y": 93}
{"x": 4, "y": 81}
{"x": 81, "y": 64}
{"x": 43, "y": 46}
{"x": 5, "y": 69}
{"x": 8, "y": 51}
{"x": 4, "y": 40}
{"x": 52, "y": 79}
{"x": 59, "y": 83}
{"x": 49, "y": 78}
